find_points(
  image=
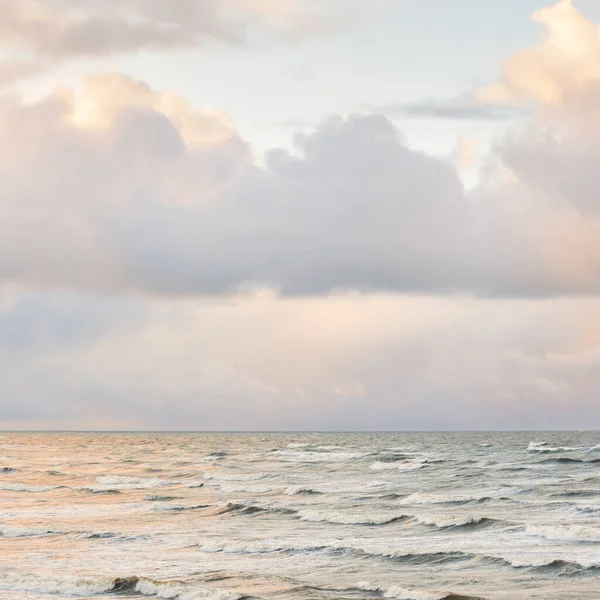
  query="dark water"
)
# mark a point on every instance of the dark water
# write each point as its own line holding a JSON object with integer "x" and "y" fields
{"x": 306, "y": 516}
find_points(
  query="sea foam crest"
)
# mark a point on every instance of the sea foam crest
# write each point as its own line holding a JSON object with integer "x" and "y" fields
{"x": 16, "y": 531}
{"x": 85, "y": 586}
{"x": 121, "y": 482}
{"x": 401, "y": 593}
{"x": 21, "y": 487}
{"x": 567, "y": 533}
{"x": 309, "y": 456}
{"x": 448, "y": 521}
{"x": 433, "y": 498}
{"x": 545, "y": 448}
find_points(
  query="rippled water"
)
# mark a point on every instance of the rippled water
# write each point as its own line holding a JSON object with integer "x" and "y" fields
{"x": 306, "y": 516}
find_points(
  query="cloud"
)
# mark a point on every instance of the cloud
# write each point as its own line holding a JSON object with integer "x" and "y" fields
{"x": 120, "y": 188}
{"x": 364, "y": 362}
{"x": 561, "y": 73}
{"x": 37, "y": 35}
{"x": 461, "y": 109}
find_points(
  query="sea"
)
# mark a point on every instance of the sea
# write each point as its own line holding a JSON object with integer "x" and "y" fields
{"x": 306, "y": 516}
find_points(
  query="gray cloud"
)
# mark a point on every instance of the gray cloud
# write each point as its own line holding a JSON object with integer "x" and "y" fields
{"x": 152, "y": 196}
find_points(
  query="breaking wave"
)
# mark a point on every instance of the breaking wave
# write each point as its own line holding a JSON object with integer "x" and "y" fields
{"x": 567, "y": 533}
{"x": 83, "y": 586}
{"x": 401, "y": 593}
{"x": 16, "y": 531}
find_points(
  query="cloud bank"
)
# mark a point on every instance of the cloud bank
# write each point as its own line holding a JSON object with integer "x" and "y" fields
{"x": 156, "y": 273}
{"x": 120, "y": 188}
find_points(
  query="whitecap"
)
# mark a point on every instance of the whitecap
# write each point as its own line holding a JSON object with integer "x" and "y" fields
{"x": 16, "y": 531}
{"x": 21, "y": 487}
{"x": 120, "y": 482}
{"x": 401, "y": 593}
{"x": 566, "y": 533}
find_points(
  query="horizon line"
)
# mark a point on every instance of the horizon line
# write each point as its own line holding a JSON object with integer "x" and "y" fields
{"x": 300, "y": 431}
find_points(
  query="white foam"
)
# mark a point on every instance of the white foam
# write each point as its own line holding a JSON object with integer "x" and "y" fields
{"x": 544, "y": 448}
{"x": 16, "y": 531}
{"x": 120, "y": 482}
{"x": 567, "y": 533}
{"x": 401, "y": 593}
{"x": 396, "y": 466}
{"x": 85, "y": 586}
{"x": 229, "y": 488}
{"x": 21, "y": 487}
{"x": 443, "y": 521}
{"x": 181, "y": 591}
{"x": 316, "y": 457}
{"x": 295, "y": 490}
{"x": 340, "y": 518}
{"x": 51, "y": 584}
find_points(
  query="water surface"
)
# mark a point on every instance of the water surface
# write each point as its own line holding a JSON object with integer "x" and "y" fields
{"x": 302, "y": 516}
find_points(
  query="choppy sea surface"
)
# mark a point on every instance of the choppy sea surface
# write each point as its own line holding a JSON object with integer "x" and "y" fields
{"x": 303, "y": 516}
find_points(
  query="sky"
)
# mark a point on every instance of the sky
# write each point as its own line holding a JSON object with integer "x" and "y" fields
{"x": 298, "y": 215}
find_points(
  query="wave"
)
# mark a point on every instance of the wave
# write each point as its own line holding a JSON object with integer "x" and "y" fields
{"x": 101, "y": 535}
{"x": 401, "y": 593}
{"x": 181, "y": 507}
{"x": 314, "y": 456}
{"x": 545, "y": 448}
{"x": 570, "y": 460}
{"x": 21, "y": 487}
{"x": 96, "y": 490}
{"x": 83, "y": 586}
{"x": 121, "y": 482}
{"x": 457, "y": 522}
{"x": 218, "y": 455}
{"x": 396, "y": 466}
{"x": 251, "y": 509}
{"x": 576, "y": 494}
{"x": 426, "y": 498}
{"x": 566, "y": 533}
{"x": 160, "y": 498}
{"x": 297, "y": 490}
{"x": 564, "y": 568}
{"x": 339, "y": 518}
{"x": 283, "y": 547}
{"x": 16, "y": 531}
{"x": 221, "y": 476}
{"x": 229, "y": 488}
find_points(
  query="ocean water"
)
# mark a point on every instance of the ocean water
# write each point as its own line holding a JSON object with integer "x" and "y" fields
{"x": 302, "y": 516}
